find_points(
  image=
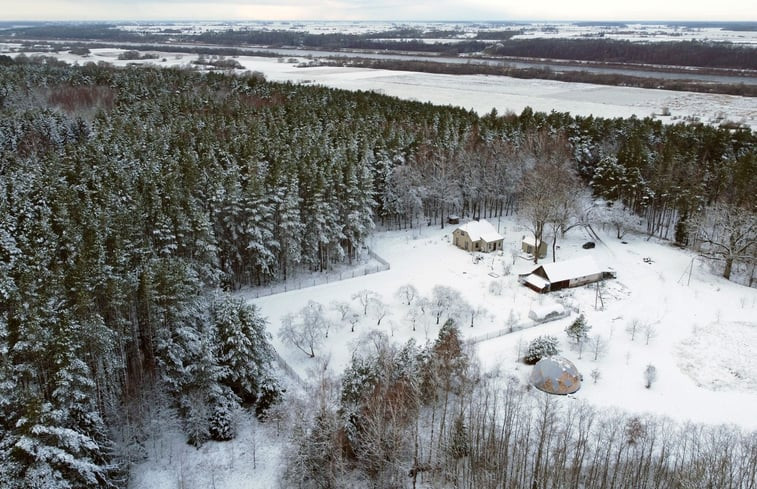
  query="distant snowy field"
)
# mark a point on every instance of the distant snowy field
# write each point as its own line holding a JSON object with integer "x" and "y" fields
{"x": 481, "y": 93}
{"x": 636, "y": 32}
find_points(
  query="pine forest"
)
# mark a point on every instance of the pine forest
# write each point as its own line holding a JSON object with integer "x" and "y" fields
{"x": 134, "y": 203}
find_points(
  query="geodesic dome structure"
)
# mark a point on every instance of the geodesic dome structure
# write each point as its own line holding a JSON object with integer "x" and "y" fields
{"x": 555, "y": 375}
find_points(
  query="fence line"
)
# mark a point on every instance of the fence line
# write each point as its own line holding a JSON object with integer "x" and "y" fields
{"x": 321, "y": 279}
{"x": 516, "y": 327}
{"x": 288, "y": 368}
{"x": 373, "y": 255}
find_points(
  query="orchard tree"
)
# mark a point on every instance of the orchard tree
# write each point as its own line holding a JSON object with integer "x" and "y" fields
{"x": 444, "y": 301}
{"x": 634, "y": 327}
{"x": 342, "y": 307}
{"x": 314, "y": 315}
{"x": 305, "y": 330}
{"x": 407, "y": 294}
{"x": 379, "y": 309}
{"x": 650, "y": 332}
{"x": 364, "y": 297}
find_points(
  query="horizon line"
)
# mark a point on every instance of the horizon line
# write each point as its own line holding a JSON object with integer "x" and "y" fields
{"x": 485, "y": 21}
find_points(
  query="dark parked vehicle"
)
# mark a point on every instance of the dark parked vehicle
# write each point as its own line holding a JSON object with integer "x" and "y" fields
{"x": 588, "y": 245}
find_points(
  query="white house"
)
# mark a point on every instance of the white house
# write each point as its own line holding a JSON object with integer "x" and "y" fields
{"x": 477, "y": 236}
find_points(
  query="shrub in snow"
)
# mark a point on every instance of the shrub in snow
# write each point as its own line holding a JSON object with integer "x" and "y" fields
{"x": 222, "y": 426}
{"x": 495, "y": 287}
{"x": 595, "y": 375}
{"x": 541, "y": 347}
{"x": 650, "y": 375}
{"x": 269, "y": 394}
{"x": 196, "y": 424}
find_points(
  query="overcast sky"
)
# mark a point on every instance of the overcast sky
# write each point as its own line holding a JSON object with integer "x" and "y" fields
{"x": 740, "y": 10}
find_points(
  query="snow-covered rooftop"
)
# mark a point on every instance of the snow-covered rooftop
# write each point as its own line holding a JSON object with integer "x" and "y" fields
{"x": 529, "y": 240}
{"x": 537, "y": 281}
{"x": 481, "y": 230}
{"x": 568, "y": 269}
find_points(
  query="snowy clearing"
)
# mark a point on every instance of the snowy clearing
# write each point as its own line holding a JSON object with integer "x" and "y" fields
{"x": 701, "y": 335}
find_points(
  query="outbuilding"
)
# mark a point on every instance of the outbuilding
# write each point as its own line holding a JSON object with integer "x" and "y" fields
{"x": 528, "y": 245}
{"x": 477, "y": 236}
{"x": 563, "y": 274}
{"x": 555, "y": 375}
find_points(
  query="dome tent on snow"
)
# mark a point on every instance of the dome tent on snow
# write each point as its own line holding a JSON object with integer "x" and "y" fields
{"x": 555, "y": 375}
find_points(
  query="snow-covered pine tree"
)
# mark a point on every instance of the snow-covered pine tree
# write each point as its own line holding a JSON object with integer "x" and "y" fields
{"x": 579, "y": 329}
{"x": 357, "y": 205}
{"x": 59, "y": 440}
{"x": 289, "y": 227}
{"x": 244, "y": 349}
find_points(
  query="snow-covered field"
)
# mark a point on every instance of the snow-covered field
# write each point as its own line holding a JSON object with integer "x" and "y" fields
{"x": 637, "y": 32}
{"x": 704, "y": 327}
{"x": 481, "y": 93}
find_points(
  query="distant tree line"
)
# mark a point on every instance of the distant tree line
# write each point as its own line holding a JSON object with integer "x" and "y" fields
{"x": 474, "y": 68}
{"x": 338, "y": 41}
{"x": 684, "y": 53}
{"x": 128, "y": 197}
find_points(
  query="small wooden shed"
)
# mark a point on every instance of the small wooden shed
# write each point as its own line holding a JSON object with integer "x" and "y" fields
{"x": 528, "y": 245}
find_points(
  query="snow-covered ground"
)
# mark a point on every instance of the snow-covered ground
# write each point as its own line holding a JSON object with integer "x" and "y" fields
{"x": 250, "y": 461}
{"x": 480, "y": 93}
{"x": 705, "y": 336}
{"x": 704, "y": 327}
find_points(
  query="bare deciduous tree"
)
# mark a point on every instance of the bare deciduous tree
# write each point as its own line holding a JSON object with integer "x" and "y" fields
{"x": 407, "y": 294}
{"x": 305, "y": 330}
{"x": 353, "y": 318}
{"x": 727, "y": 233}
{"x": 616, "y": 215}
{"x": 634, "y": 327}
{"x": 444, "y": 300}
{"x": 598, "y": 345}
{"x": 548, "y": 194}
{"x": 379, "y": 310}
{"x": 365, "y": 296}
{"x": 649, "y": 332}
{"x": 342, "y": 307}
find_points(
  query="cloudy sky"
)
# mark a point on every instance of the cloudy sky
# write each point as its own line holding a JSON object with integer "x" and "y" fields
{"x": 741, "y": 10}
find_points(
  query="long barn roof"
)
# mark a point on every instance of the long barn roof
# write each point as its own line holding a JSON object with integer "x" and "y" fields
{"x": 568, "y": 269}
